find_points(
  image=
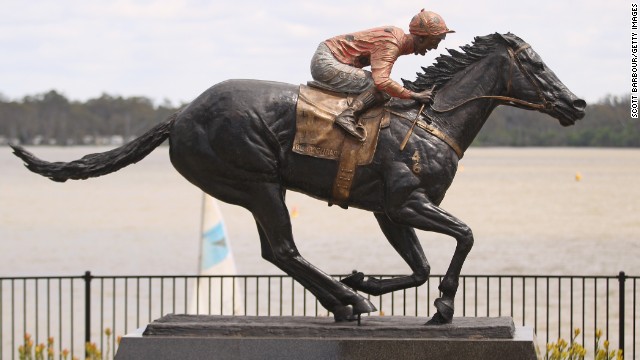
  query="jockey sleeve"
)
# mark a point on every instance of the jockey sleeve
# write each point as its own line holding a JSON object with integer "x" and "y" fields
{"x": 378, "y": 47}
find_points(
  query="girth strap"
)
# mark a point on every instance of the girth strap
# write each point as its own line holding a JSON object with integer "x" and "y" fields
{"x": 435, "y": 132}
{"x": 346, "y": 171}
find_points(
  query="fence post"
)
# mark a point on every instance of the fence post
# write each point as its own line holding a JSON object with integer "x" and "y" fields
{"x": 87, "y": 309}
{"x": 621, "y": 279}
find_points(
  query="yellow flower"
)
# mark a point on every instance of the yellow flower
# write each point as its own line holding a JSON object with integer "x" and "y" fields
{"x": 598, "y": 334}
{"x": 576, "y": 332}
{"x": 91, "y": 348}
{"x": 562, "y": 343}
{"x": 107, "y": 331}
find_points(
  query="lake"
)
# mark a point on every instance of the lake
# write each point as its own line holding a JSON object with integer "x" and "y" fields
{"x": 557, "y": 211}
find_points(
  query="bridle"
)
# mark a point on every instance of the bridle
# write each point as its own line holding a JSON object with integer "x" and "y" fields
{"x": 513, "y": 55}
{"x": 435, "y": 131}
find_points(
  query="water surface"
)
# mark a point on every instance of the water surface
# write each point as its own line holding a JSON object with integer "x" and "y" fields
{"x": 528, "y": 213}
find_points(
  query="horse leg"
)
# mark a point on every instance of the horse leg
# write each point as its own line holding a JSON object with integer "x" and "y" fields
{"x": 419, "y": 212}
{"x": 404, "y": 240}
{"x": 272, "y": 217}
{"x": 268, "y": 255}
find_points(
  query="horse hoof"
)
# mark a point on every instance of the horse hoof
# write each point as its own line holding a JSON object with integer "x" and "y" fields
{"x": 354, "y": 280}
{"x": 343, "y": 313}
{"x": 437, "y": 319}
{"x": 350, "y": 312}
{"x": 444, "y": 315}
{"x": 444, "y": 306}
{"x": 370, "y": 286}
{"x": 363, "y": 306}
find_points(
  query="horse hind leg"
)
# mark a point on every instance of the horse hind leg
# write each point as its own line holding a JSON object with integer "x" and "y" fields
{"x": 406, "y": 243}
{"x": 272, "y": 217}
{"x": 328, "y": 299}
{"x": 265, "y": 200}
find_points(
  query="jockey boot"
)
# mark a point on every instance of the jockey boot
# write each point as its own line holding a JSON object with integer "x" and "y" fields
{"x": 363, "y": 102}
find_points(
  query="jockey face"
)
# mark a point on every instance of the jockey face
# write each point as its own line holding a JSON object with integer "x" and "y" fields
{"x": 421, "y": 44}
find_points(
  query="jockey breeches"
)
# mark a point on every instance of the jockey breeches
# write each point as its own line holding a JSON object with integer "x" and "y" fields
{"x": 341, "y": 77}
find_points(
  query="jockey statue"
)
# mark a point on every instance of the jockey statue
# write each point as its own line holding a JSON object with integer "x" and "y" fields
{"x": 337, "y": 64}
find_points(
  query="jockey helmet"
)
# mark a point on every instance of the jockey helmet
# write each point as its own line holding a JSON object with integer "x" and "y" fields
{"x": 428, "y": 23}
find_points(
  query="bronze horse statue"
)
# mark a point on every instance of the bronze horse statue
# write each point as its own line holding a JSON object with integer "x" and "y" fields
{"x": 235, "y": 143}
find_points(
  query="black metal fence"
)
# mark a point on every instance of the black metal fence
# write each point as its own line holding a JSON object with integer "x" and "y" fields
{"x": 74, "y": 310}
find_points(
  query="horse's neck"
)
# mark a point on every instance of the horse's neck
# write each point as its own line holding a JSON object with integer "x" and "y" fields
{"x": 464, "y": 123}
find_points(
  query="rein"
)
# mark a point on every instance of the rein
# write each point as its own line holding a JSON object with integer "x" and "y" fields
{"x": 513, "y": 55}
{"x": 431, "y": 130}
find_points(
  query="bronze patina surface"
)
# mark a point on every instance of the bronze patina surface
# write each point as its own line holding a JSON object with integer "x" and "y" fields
{"x": 236, "y": 140}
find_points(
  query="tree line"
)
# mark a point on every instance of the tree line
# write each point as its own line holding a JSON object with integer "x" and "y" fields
{"x": 52, "y": 119}
{"x": 607, "y": 123}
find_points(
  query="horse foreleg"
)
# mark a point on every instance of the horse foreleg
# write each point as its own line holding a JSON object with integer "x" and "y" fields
{"x": 419, "y": 212}
{"x": 270, "y": 212}
{"x": 405, "y": 241}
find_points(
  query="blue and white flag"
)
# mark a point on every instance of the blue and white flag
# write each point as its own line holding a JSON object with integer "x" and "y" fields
{"x": 216, "y": 296}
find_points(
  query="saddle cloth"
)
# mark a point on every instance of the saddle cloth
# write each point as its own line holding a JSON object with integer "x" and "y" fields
{"x": 317, "y": 136}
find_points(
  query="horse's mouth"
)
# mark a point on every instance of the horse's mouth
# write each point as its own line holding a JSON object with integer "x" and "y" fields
{"x": 568, "y": 114}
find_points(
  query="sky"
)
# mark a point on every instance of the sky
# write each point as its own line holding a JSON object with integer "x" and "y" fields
{"x": 173, "y": 50}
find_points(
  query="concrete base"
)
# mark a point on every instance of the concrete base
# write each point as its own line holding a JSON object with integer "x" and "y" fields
{"x": 222, "y": 337}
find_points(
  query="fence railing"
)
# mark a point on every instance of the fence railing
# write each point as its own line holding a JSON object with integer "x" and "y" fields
{"x": 75, "y": 310}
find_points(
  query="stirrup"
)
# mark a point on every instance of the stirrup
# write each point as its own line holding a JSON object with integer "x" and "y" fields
{"x": 356, "y": 130}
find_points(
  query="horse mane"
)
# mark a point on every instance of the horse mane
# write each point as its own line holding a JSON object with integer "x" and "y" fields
{"x": 447, "y": 66}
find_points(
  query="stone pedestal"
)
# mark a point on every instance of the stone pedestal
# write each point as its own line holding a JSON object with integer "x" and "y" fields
{"x": 251, "y": 337}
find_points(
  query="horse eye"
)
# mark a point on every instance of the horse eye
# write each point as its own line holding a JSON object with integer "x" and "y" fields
{"x": 539, "y": 65}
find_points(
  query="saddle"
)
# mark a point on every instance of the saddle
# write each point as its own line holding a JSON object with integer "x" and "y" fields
{"x": 317, "y": 136}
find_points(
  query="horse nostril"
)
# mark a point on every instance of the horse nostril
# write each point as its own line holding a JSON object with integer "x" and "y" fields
{"x": 579, "y": 104}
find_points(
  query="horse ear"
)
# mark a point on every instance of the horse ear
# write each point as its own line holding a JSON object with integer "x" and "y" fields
{"x": 512, "y": 40}
{"x": 507, "y": 38}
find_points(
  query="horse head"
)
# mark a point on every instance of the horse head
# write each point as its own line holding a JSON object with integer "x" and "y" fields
{"x": 494, "y": 70}
{"x": 533, "y": 82}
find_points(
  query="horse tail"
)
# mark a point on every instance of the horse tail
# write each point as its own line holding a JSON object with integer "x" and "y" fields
{"x": 94, "y": 165}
